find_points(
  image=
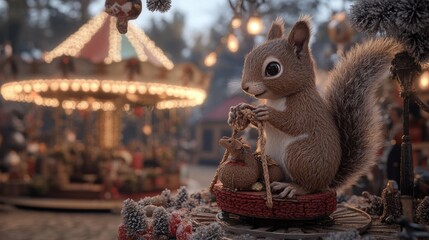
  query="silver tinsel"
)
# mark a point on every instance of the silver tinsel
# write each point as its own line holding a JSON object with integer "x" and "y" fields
{"x": 158, "y": 5}
{"x": 133, "y": 217}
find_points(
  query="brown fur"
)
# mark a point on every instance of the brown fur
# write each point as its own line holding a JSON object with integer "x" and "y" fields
{"x": 318, "y": 156}
{"x": 352, "y": 101}
{"x": 240, "y": 172}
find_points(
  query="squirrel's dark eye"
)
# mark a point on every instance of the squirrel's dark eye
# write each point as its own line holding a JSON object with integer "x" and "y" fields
{"x": 230, "y": 141}
{"x": 272, "y": 69}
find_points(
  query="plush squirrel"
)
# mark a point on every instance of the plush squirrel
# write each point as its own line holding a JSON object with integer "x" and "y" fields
{"x": 321, "y": 142}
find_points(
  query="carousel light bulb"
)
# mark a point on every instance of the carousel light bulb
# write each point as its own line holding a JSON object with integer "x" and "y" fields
{"x": 141, "y": 89}
{"x": 85, "y": 87}
{"x": 210, "y": 60}
{"x": 75, "y": 86}
{"x": 254, "y": 25}
{"x": 64, "y": 86}
{"x": 424, "y": 80}
{"x": 236, "y": 22}
{"x": 94, "y": 86}
{"x": 27, "y": 88}
{"x": 232, "y": 43}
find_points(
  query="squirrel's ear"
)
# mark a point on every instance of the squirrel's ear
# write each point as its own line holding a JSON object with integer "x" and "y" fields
{"x": 277, "y": 29}
{"x": 299, "y": 36}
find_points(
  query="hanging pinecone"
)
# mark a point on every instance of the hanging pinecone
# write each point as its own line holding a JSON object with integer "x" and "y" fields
{"x": 160, "y": 223}
{"x": 422, "y": 211}
{"x": 158, "y": 5}
{"x": 181, "y": 197}
{"x": 133, "y": 217}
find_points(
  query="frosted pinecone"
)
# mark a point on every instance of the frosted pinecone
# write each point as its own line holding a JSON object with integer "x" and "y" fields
{"x": 160, "y": 222}
{"x": 133, "y": 217}
{"x": 213, "y": 231}
{"x": 181, "y": 197}
{"x": 375, "y": 204}
{"x": 190, "y": 204}
{"x": 167, "y": 195}
{"x": 145, "y": 201}
{"x": 422, "y": 211}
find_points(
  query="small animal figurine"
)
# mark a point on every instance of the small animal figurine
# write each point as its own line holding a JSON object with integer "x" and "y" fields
{"x": 391, "y": 198}
{"x": 240, "y": 171}
{"x": 123, "y": 10}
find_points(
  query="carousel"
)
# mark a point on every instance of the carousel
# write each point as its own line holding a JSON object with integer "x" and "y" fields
{"x": 104, "y": 76}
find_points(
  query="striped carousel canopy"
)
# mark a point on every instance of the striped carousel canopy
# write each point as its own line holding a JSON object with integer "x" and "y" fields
{"x": 99, "y": 41}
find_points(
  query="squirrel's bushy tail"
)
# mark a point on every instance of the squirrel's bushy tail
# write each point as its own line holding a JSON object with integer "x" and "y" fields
{"x": 352, "y": 97}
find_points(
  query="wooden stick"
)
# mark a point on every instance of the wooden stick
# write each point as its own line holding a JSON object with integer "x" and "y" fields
{"x": 261, "y": 141}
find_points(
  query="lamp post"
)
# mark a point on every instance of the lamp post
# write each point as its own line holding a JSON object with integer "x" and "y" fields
{"x": 405, "y": 71}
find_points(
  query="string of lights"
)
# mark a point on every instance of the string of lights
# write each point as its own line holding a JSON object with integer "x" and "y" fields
{"x": 242, "y": 10}
{"x": 51, "y": 93}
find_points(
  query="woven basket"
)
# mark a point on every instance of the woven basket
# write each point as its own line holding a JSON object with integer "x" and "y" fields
{"x": 252, "y": 204}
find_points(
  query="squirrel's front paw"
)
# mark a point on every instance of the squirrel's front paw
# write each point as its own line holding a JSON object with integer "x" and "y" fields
{"x": 261, "y": 112}
{"x": 288, "y": 190}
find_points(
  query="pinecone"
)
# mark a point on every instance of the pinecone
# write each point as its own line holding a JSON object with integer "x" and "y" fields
{"x": 145, "y": 201}
{"x": 181, "y": 197}
{"x": 375, "y": 204}
{"x": 133, "y": 217}
{"x": 158, "y": 5}
{"x": 160, "y": 222}
{"x": 167, "y": 195}
{"x": 422, "y": 211}
{"x": 213, "y": 231}
{"x": 190, "y": 204}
